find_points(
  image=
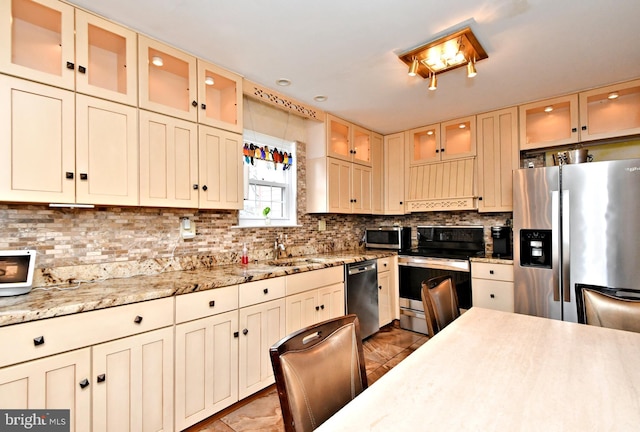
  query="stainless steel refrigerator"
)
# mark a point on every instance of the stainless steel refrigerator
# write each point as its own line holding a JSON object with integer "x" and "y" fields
{"x": 574, "y": 224}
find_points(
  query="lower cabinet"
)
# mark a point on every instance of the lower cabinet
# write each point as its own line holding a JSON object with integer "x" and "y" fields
{"x": 133, "y": 383}
{"x": 261, "y": 326}
{"x": 492, "y": 286}
{"x": 206, "y": 367}
{"x": 385, "y": 305}
{"x": 57, "y": 382}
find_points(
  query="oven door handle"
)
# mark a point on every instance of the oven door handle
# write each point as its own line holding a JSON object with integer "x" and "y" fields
{"x": 464, "y": 267}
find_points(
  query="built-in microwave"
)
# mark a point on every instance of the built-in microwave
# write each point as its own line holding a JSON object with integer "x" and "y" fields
{"x": 388, "y": 237}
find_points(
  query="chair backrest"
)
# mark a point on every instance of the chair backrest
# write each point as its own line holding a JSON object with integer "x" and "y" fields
{"x": 612, "y": 312}
{"x": 440, "y": 301}
{"x": 318, "y": 370}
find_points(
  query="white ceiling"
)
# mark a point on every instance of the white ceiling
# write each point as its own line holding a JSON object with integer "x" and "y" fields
{"x": 347, "y": 49}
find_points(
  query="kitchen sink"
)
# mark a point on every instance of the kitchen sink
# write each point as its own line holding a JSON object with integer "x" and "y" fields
{"x": 292, "y": 262}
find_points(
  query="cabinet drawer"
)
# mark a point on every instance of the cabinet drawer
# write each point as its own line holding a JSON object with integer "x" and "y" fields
{"x": 206, "y": 303}
{"x": 261, "y": 291}
{"x": 51, "y": 336}
{"x": 384, "y": 264}
{"x": 306, "y": 281}
{"x": 490, "y": 294}
{"x": 503, "y": 272}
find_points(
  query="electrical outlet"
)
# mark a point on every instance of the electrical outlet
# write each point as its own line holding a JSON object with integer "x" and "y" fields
{"x": 187, "y": 228}
{"x": 322, "y": 225}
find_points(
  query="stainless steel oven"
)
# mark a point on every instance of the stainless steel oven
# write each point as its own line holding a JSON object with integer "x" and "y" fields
{"x": 441, "y": 251}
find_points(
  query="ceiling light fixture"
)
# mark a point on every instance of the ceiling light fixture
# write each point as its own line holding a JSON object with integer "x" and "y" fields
{"x": 209, "y": 80}
{"x": 283, "y": 82}
{"x": 548, "y": 109}
{"x": 613, "y": 95}
{"x": 462, "y": 126}
{"x": 413, "y": 69}
{"x": 433, "y": 82}
{"x": 320, "y": 98}
{"x": 456, "y": 49}
{"x": 157, "y": 60}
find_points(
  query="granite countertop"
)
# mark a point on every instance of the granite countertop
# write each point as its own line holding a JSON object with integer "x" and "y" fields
{"x": 49, "y": 302}
{"x": 491, "y": 260}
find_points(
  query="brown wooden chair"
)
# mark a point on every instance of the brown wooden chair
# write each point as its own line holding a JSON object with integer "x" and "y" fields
{"x": 440, "y": 301}
{"x": 318, "y": 370}
{"x": 612, "y": 312}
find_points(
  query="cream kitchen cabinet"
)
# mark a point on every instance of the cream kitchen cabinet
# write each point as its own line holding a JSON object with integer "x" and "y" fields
{"x": 339, "y": 139}
{"x": 220, "y": 172}
{"x": 453, "y": 139}
{"x": 83, "y": 149}
{"x": 549, "y": 123}
{"x": 219, "y": 97}
{"x": 313, "y": 297}
{"x": 39, "y": 45}
{"x": 57, "y": 382}
{"x": 261, "y": 324}
{"x": 168, "y": 161}
{"x": 385, "y": 291}
{"x": 377, "y": 174}
{"x": 492, "y": 286}
{"x": 206, "y": 354}
{"x": 498, "y": 156}
{"x": 336, "y": 186}
{"x": 133, "y": 387}
{"x": 395, "y": 174}
{"x": 167, "y": 80}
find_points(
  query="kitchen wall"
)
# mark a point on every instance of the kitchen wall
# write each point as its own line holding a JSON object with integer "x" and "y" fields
{"x": 106, "y": 242}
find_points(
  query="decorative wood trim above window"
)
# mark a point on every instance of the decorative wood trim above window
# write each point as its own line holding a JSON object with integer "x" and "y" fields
{"x": 285, "y": 103}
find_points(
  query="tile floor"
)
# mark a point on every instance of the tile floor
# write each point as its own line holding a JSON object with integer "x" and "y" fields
{"x": 382, "y": 352}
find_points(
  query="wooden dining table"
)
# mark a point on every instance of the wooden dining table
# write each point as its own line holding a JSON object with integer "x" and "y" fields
{"x": 499, "y": 371}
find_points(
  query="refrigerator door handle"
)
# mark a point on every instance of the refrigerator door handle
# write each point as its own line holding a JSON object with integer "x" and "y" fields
{"x": 555, "y": 243}
{"x": 566, "y": 247}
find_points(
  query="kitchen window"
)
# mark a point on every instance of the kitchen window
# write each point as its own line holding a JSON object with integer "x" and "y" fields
{"x": 269, "y": 181}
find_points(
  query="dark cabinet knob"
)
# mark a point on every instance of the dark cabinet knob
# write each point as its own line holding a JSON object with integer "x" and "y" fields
{"x": 385, "y": 264}
{"x": 137, "y": 319}
{"x": 266, "y": 290}
{"x": 68, "y": 175}
{"x": 82, "y": 69}
{"x": 203, "y": 106}
{"x": 70, "y": 65}
{"x": 401, "y": 202}
{"x": 204, "y": 188}
{"x": 490, "y": 271}
{"x": 195, "y": 187}
{"x": 574, "y": 130}
{"x": 379, "y": 287}
{"x": 194, "y": 104}
{"x": 492, "y": 296}
{"x": 212, "y": 303}
{"x": 236, "y": 334}
{"x": 84, "y": 383}
{"x": 38, "y": 341}
{"x": 322, "y": 307}
{"x": 441, "y": 150}
{"x": 437, "y": 151}
{"x": 101, "y": 378}
{"x": 317, "y": 307}
{"x": 84, "y": 176}
{"x": 584, "y": 128}
{"x": 245, "y": 331}
{"x": 479, "y": 198}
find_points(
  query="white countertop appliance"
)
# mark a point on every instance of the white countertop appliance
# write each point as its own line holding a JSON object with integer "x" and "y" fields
{"x": 16, "y": 271}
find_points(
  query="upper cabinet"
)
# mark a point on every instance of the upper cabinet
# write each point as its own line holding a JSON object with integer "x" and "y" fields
{"x": 548, "y": 123}
{"x": 220, "y": 97}
{"x": 395, "y": 174}
{"x": 606, "y": 112}
{"x": 39, "y": 45}
{"x": 340, "y": 139}
{"x": 610, "y": 111}
{"x": 444, "y": 141}
{"x": 167, "y": 80}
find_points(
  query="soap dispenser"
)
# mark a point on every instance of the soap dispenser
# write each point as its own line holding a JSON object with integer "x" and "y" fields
{"x": 245, "y": 254}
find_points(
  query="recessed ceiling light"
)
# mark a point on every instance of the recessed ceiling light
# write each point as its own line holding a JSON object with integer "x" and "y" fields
{"x": 283, "y": 82}
{"x": 429, "y": 132}
{"x": 208, "y": 80}
{"x": 548, "y": 109}
{"x": 320, "y": 98}
{"x": 157, "y": 60}
{"x": 462, "y": 125}
{"x": 613, "y": 95}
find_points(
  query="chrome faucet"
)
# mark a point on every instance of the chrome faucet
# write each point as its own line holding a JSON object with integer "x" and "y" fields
{"x": 279, "y": 247}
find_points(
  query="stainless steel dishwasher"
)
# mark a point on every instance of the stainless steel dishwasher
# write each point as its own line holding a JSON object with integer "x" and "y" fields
{"x": 362, "y": 295}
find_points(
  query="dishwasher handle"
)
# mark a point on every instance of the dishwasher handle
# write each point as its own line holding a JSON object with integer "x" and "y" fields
{"x": 361, "y": 268}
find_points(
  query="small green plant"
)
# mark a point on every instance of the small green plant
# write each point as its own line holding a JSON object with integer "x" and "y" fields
{"x": 266, "y": 211}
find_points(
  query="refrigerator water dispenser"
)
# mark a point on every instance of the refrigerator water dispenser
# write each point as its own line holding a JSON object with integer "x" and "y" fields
{"x": 535, "y": 248}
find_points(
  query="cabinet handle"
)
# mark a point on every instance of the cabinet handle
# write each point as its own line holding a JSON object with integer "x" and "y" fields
{"x": 441, "y": 150}
{"x": 82, "y": 69}
{"x": 70, "y": 65}
{"x": 212, "y": 303}
{"x": 379, "y": 287}
{"x": 490, "y": 271}
{"x": 84, "y": 383}
{"x": 437, "y": 151}
{"x": 479, "y": 198}
{"x": 195, "y": 187}
{"x": 203, "y": 106}
{"x": 236, "y": 334}
{"x": 137, "y": 319}
{"x": 584, "y": 128}
{"x": 194, "y": 104}
{"x": 492, "y": 296}
{"x": 101, "y": 378}
{"x": 401, "y": 203}
{"x": 68, "y": 175}
{"x": 317, "y": 307}
{"x": 573, "y": 130}
{"x": 204, "y": 188}
{"x": 266, "y": 290}
{"x": 245, "y": 331}
{"x": 385, "y": 264}
{"x": 322, "y": 307}
{"x": 38, "y": 341}
{"x": 84, "y": 176}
